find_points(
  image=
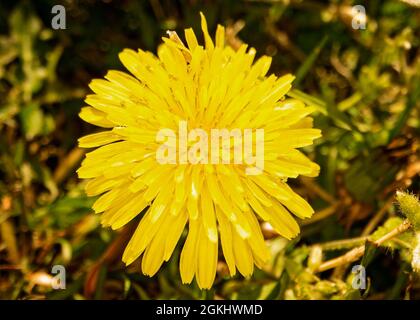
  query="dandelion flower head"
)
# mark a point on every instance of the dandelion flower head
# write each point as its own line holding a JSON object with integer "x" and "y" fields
{"x": 218, "y": 206}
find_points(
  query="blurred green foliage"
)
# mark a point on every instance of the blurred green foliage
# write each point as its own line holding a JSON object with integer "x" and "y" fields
{"x": 364, "y": 83}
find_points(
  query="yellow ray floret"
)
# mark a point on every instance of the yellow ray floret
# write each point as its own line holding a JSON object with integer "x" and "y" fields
{"x": 208, "y": 86}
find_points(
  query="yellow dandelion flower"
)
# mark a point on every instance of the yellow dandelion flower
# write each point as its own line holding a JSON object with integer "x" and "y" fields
{"x": 208, "y": 87}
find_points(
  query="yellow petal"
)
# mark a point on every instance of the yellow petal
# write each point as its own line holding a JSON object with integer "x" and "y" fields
{"x": 220, "y": 36}
{"x": 172, "y": 237}
{"x": 191, "y": 39}
{"x": 187, "y": 263}
{"x": 98, "y": 139}
{"x": 95, "y": 117}
{"x": 208, "y": 214}
{"x": 282, "y": 222}
{"x": 207, "y": 38}
{"x": 206, "y": 261}
{"x": 243, "y": 255}
{"x": 141, "y": 238}
{"x": 226, "y": 239}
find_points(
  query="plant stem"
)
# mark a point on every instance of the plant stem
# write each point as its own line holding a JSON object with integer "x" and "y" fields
{"x": 358, "y": 252}
{"x": 343, "y": 244}
{"x": 320, "y": 215}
